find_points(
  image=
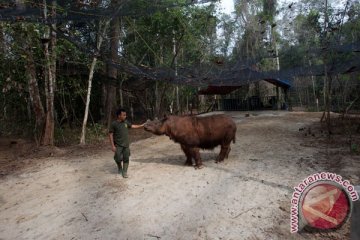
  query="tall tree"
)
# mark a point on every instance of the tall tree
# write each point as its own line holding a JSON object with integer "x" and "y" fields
{"x": 26, "y": 49}
{"x": 49, "y": 40}
{"x": 110, "y": 95}
{"x": 34, "y": 93}
{"x": 112, "y": 70}
{"x": 100, "y": 38}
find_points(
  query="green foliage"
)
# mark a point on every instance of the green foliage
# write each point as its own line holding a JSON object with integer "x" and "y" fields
{"x": 95, "y": 133}
{"x": 150, "y": 39}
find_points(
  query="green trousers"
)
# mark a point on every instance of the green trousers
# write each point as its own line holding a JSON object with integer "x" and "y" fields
{"x": 122, "y": 154}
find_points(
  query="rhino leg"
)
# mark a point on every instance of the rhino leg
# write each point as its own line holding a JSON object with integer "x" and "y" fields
{"x": 196, "y": 155}
{"x": 225, "y": 149}
{"x": 188, "y": 155}
{"x": 227, "y": 154}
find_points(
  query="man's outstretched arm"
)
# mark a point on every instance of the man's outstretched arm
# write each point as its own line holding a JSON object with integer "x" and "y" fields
{"x": 137, "y": 126}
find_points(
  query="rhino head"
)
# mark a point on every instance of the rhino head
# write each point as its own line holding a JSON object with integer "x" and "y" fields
{"x": 157, "y": 127}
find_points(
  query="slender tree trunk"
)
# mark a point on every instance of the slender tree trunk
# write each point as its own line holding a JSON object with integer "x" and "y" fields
{"x": 101, "y": 33}
{"x": 34, "y": 93}
{"x": 323, "y": 117}
{"x": 299, "y": 90}
{"x": 162, "y": 99}
{"x": 30, "y": 71}
{"x": 327, "y": 100}
{"x": 176, "y": 73}
{"x": 2, "y": 39}
{"x": 328, "y": 94}
{"x": 100, "y": 38}
{"x": 157, "y": 100}
{"x": 314, "y": 92}
{"x": 48, "y": 137}
{"x": 50, "y": 80}
{"x": 327, "y": 80}
{"x": 103, "y": 102}
{"x": 131, "y": 112}
{"x": 87, "y": 104}
{"x": 307, "y": 96}
{"x": 121, "y": 93}
{"x": 277, "y": 62}
{"x": 278, "y": 104}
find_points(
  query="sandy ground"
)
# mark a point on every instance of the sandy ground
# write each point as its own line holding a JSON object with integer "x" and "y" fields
{"x": 80, "y": 196}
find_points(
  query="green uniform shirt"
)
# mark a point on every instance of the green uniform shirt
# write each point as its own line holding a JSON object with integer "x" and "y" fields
{"x": 120, "y": 133}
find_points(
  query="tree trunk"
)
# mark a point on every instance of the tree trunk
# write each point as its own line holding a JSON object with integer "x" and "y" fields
{"x": 324, "y": 96}
{"x": 278, "y": 103}
{"x": 100, "y": 38}
{"x": 328, "y": 94}
{"x": 327, "y": 79}
{"x": 103, "y": 102}
{"x": 30, "y": 71}
{"x": 112, "y": 71}
{"x": 48, "y": 137}
{"x": 34, "y": 93}
{"x": 176, "y": 74}
{"x": 87, "y": 104}
{"x": 2, "y": 39}
{"x": 314, "y": 92}
{"x": 157, "y": 100}
{"x": 121, "y": 93}
{"x": 50, "y": 80}
{"x": 110, "y": 99}
{"x": 327, "y": 100}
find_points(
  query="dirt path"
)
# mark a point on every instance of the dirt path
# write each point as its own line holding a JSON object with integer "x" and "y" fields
{"x": 246, "y": 197}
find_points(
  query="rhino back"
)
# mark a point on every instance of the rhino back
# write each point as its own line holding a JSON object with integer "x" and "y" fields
{"x": 181, "y": 130}
{"x": 215, "y": 130}
{"x": 204, "y": 132}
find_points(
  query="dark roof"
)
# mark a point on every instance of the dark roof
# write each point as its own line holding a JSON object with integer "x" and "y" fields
{"x": 223, "y": 90}
{"x": 279, "y": 82}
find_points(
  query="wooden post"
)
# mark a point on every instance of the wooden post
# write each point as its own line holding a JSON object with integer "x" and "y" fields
{"x": 278, "y": 104}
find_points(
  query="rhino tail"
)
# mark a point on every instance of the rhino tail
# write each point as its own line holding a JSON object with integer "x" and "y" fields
{"x": 234, "y": 139}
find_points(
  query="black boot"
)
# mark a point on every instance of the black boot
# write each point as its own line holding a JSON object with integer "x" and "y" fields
{"x": 120, "y": 169}
{"x": 124, "y": 172}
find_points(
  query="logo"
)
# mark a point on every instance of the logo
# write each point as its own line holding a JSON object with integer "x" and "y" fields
{"x": 322, "y": 201}
{"x": 325, "y": 206}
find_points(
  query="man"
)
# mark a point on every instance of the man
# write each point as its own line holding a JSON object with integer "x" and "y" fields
{"x": 119, "y": 139}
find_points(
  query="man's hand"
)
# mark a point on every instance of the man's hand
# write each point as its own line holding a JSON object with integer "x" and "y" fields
{"x": 113, "y": 148}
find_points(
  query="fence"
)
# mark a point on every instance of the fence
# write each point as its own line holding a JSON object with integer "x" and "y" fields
{"x": 252, "y": 103}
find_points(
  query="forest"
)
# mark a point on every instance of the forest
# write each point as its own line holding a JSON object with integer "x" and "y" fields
{"x": 66, "y": 66}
